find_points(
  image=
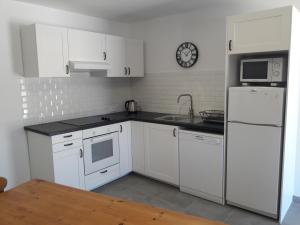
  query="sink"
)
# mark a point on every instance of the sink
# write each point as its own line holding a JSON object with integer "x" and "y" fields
{"x": 179, "y": 118}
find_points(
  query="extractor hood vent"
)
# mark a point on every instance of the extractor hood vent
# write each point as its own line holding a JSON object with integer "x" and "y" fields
{"x": 88, "y": 66}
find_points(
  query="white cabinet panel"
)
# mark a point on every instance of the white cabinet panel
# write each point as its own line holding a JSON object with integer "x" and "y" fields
{"x": 86, "y": 46}
{"x": 135, "y": 57}
{"x": 125, "y": 56}
{"x": 45, "y": 51}
{"x": 125, "y": 148}
{"x": 137, "y": 147}
{"x": 68, "y": 168}
{"x": 161, "y": 152}
{"x": 116, "y": 56}
{"x": 260, "y": 32}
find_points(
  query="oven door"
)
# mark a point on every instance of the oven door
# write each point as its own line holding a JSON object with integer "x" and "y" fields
{"x": 256, "y": 70}
{"x": 101, "y": 152}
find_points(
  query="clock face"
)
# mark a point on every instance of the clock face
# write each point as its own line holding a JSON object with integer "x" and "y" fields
{"x": 187, "y": 54}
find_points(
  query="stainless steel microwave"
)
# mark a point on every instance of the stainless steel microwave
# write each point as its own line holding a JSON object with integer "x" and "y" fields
{"x": 263, "y": 70}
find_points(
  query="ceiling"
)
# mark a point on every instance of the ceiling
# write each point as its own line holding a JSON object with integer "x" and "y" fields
{"x": 137, "y": 10}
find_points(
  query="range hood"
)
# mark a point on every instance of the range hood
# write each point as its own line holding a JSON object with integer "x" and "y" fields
{"x": 77, "y": 66}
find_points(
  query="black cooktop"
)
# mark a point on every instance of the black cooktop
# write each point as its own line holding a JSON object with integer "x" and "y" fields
{"x": 87, "y": 120}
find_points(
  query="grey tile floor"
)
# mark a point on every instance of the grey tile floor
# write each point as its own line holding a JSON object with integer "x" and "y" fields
{"x": 140, "y": 189}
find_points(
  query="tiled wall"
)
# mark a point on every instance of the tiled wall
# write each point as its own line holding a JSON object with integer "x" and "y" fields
{"x": 50, "y": 99}
{"x": 158, "y": 92}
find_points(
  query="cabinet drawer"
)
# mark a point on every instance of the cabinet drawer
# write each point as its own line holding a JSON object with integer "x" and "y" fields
{"x": 102, "y": 177}
{"x": 66, "y": 137}
{"x": 67, "y": 145}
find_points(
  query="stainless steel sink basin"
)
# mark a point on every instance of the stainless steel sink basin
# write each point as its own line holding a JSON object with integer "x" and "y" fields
{"x": 179, "y": 118}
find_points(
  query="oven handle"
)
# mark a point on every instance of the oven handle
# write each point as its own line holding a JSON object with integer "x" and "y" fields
{"x": 105, "y": 171}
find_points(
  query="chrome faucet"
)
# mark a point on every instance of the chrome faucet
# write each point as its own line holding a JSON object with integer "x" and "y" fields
{"x": 191, "y": 110}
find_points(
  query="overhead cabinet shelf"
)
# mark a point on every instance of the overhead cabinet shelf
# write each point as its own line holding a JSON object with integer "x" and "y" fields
{"x": 259, "y": 32}
{"x": 50, "y": 51}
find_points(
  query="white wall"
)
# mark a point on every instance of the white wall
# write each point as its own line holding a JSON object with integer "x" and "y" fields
{"x": 165, "y": 79}
{"x": 13, "y": 151}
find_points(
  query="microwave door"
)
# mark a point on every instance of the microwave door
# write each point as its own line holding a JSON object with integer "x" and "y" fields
{"x": 255, "y": 70}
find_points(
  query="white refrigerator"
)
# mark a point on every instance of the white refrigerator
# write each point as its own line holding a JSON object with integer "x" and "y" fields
{"x": 254, "y": 145}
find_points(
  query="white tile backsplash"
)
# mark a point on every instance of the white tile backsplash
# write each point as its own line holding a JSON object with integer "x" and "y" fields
{"x": 158, "y": 92}
{"x": 50, "y": 99}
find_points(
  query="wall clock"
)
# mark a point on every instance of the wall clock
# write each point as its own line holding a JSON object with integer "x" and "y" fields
{"x": 187, "y": 54}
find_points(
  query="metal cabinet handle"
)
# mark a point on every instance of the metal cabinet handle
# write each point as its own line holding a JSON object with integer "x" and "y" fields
{"x": 174, "y": 132}
{"x": 68, "y": 136}
{"x": 125, "y": 70}
{"x": 67, "y": 69}
{"x": 68, "y": 144}
{"x": 121, "y": 128}
{"x": 230, "y": 45}
{"x": 105, "y": 171}
{"x": 129, "y": 71}
{"x": 81, "y": 153}
{"x": 104, "y": 55}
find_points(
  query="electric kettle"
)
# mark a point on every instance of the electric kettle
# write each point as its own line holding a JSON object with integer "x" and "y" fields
{"x": 131, "y": 106}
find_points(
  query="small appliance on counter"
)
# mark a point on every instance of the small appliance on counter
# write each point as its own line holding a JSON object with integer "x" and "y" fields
{"x": 131, "y": 106}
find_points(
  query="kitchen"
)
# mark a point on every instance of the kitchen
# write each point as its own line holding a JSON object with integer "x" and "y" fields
{"x": 86, "y": 95}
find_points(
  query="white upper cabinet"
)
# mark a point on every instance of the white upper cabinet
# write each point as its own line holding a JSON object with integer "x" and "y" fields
{"x": 161, "y": 152}
{"x": 125, "y": 56}
{"x": 87, "y": 46}
{"x": 45, "y": 51}
{"x": 259, "y": 32}
{"x": 135, "y": 57}
{"x": 116, "y": 56}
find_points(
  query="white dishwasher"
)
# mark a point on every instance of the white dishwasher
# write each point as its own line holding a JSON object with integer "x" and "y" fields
{"x": 202, "y": 165}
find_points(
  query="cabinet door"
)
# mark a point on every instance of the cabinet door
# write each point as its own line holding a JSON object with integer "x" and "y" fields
{"x": 68, "y": 168}
{"x": 52, "y": 51}
{"x": 161, "y": 152}
{"x": 87, "y": 46}
{"x": 260, "y": 32}
{"x": 125, "y": 149}
{"x": 116, "y": 56}
{"x": 137, "y": 147}
{"x": 135, "y": 58}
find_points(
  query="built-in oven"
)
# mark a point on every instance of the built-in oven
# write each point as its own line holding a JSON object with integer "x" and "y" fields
{"x": 101, "y": 152}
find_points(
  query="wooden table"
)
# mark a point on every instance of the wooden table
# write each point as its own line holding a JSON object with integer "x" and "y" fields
{"x": 41, "y": 203}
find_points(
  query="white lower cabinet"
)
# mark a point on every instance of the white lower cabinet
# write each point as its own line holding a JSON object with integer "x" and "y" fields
{"x": 137, "y": 147}
{"x": 161, "y": 152}
{"x": 125, "y": 148}
{"x": 68, "y": 167}
{"x": 57, "y": 159}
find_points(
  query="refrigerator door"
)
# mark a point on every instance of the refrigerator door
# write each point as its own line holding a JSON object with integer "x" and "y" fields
{"x": 257, "y": 105}
{"x": 253, "y": 167}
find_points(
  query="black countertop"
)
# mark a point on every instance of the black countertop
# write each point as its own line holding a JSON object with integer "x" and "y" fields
{"x": 66, "y": 126}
